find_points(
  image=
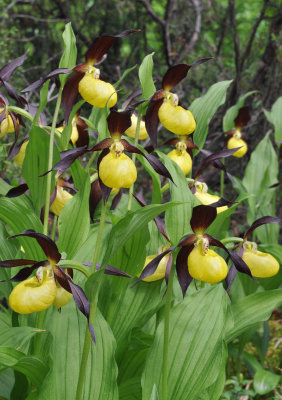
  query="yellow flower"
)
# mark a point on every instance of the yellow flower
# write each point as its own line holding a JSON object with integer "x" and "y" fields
{"x": 62, "y": 297}
{"x": 176, "y": 118}
{"x": 117, "y": 170}
{"x": 131, "y": 131}
{"x": 181, "y": 157}
{"x": 74, "y": 131}
{"x": 262, "y": 265}
{"x": 205, "y": 264}
{"x": 236, "y": 141}
{"x": 62, "y": 197}
{"x": 206, "y": 198}
{"x": 34, "y": 294}
{"x": 95, "y": 91}
{"x": 160, "y": 271}
{"x": 19, "y": 158}
{"x": 6, "y": 126}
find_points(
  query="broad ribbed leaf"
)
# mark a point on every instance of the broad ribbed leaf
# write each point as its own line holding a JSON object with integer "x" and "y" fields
{"x": 130, "y": 224}
{"x": 251, "y": 310}
{"x": 232, "y": 112}
{"x": 36, "y": 163}
{"x": 156, "y": 194}
{"x": 18, "y": 337}
{"x": 34, "y": 369}
{"x": 68, "y": 59}
{"x": 18, "y": 213}
{"x": 204, "y": 108}
{"x": 265, "y": 381}
{"x": 68, "y": 330}
{"x": 74, "y": 221}
{"x": 195, "y": 346}
{"x": 275, "y": 117}
{"x": 179, "y": 191}
{"x": 145, "y": 76}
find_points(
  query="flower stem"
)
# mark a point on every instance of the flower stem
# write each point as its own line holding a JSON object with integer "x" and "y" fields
{"x": 50, "y": 162}
{"x": 134, "y": 159}
{"x": 222, "y": 180}
{"x": 53, "y": 233}
{"x": 232, "y": 240}
{"x": 93, "y": 307}
{"x": 166, "y": 334}
{"x": 91, "y": 160}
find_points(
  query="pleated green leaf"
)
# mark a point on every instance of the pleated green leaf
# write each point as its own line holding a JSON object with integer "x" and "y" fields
{"x": 19, "y": 214}
{"x": 204, "y": 108}
{"x": 145, "y": 76}
{"x": 177, "y": 219}
{"x": 156, "y": 193}
{"x": 32, "y": 367}
{"x": 68, "y": 59}
{"x": 195, "y": 346}
{"x": 251, "y": 310}
{"x": 275, "y": 117}
{"x": 17, "y": 337}
{"x": 68, "y": 329}
{"x": 74, "y": 221}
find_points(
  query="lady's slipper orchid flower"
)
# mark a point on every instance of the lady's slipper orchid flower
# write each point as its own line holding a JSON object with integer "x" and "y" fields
{"x": 161, "y": 271}
{"x": 195, "y": 259}
{"x": 262, "y": 265}
{"x": 201, "y": 192}
{"x": 40, "y": 291}
{"x": 181, "y": 155}
{"x": 164, "y": 105}
{"x": 61, "y": 196}
{"x": 20, "y": 156}
{"x": 235, "y": 135}
{"x": 115, "y": 169}
{"x": 131, "y": 131}
{"x": 9, "y": 121}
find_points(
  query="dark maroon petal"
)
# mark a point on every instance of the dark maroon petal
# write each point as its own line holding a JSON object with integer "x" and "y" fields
{"x": 47, "y": 245}
{"x": 16, "y": 126}
{"x": 190, "y": 144}
{"x": 17, "y": 191}
{"x": 70, "y": 93}
{"x": 104, "y": 144}
{"x": 230, "y": 277}
{"x": 174, "y": 75}
{"x": 152, "y": 119}
{"x": 9, "y": 68}
{"x": 262, "y": 221}
{"x": 202, "y": 217}
{"x": 16, "y": 263}
{"x": 119, "y": 122}
{"x": 275, "y": 185}
{"x": 184, "y": 278}
{"x": 133, "y": 95}
{"x": 222, "y": 202}
{"x": 240, "y": 265}
{"x": 67, "y": 158}
{"x": 37, "y": 84}
{"x": 110, "y": 270}
{"x": 102, "y": 44}
{"x": 79, "y": 296}
{"x": 83, "y": 136}
{"x": 153, "y": 265}
{"x": 172, "y": 142}
{"x": 213, "y": 157}
{"x": 187, "y": 241}
{"x": 201, "y": 61}
{"x": 105, "y": 190}
{"x": 230, "y": 133}
{"x": 24, "y": 273}
{"x": 242, "y": 118}
{"x": 116, "y": 200}
{"x": 95, "y": 197}
{"x": 14, "y": 94}
{"x": 168, "y": 268}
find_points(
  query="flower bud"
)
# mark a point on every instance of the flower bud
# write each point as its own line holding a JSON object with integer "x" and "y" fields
{"x": 116, "y": 170}
{"x": 262, "y": 265}
{"x": 234, "y": 142}
{"x": 95, "y": 91}
{"x": 62, "y": 197}
{"x": 206, "y": 198}
{"x": 176, "y": 118}
{"x": 205, "y": 264}
{"x": 19, "y": 158}
{"x": 131, "y": 131}
{"x": 34, "y": 294}
{"x": 182, "y": 159}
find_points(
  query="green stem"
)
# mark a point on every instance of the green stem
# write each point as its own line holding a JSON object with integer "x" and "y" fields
{"x": 232, "y": 240}
{"x": 53, "y": 233}
{"x": 222, "y": 180}
{"x": 93, "y": 307}
{"x": 75, "y": 265}
{"x": 165, "y": 188}
{"x": 130, "y": 195}
{"x": 50, "y": 162}
{"x": 166, "y": 334}
{"x": 39, "y": 325}
{"x": 92, "y": 158}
